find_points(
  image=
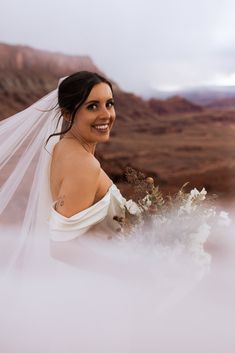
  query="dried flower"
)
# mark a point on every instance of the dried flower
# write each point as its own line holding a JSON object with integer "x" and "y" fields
{"x": 150, "y": 209}
{"x": 182, "y": 219}
{"x": 149, "y": 180}
{"x": 132, "y": 207}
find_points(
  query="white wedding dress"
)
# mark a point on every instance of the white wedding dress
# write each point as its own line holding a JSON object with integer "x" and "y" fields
{"x": 78, "y": 284}
{"x": 95, "y": 290}
{"x": 98, "y": 217}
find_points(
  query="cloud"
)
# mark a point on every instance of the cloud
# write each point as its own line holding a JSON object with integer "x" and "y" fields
{"x": 139, "y": 43}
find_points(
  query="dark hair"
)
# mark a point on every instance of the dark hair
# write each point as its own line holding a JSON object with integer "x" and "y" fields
{"x": 73, "y": 92}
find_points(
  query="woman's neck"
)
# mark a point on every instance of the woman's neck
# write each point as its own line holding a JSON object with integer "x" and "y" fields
{"x": 88, "y": 146}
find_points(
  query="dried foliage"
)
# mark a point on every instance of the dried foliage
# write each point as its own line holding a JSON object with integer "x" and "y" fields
{"x": 148, "y": 202}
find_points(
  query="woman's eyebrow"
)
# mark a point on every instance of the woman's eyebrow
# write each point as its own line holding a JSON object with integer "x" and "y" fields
{"x": 96, "y": 101}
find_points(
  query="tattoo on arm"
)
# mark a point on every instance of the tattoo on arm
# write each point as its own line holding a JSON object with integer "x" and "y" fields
{"x": 60, "y": 201}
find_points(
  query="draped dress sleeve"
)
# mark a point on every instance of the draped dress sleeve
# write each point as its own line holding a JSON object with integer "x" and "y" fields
{"x": 99, "y": 216}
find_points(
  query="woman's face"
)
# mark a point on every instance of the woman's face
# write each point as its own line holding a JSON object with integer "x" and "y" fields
{"x": 94, "y": 119}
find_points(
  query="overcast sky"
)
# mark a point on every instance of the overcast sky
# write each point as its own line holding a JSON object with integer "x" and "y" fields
{"x": 140, "y": 44}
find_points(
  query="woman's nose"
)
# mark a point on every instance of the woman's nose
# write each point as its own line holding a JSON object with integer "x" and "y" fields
{"x": 105, "y": 112}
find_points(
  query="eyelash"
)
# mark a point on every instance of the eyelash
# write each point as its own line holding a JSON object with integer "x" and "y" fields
{"x": 91, "y": 105}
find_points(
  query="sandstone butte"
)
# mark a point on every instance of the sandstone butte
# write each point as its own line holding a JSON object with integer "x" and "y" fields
{"x": 173, "y": 140}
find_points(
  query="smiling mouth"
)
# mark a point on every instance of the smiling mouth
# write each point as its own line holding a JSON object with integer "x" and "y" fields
{"x": 103, "y": 128}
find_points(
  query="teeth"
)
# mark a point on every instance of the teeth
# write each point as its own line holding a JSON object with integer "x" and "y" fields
{"x": 101, "y": 127}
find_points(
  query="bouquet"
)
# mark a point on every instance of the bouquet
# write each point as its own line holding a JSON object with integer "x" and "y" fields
{"x": 184, "y": 219}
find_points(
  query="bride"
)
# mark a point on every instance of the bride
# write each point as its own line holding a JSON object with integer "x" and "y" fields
{"x": 70, "y": 280}
{"x": 77, "y": 180}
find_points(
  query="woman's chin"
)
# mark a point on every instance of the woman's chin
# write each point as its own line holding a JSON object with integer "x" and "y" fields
{"x": 102, "y": 136}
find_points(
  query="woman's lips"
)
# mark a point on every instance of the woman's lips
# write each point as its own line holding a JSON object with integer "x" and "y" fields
{"x": 103, "y": 128}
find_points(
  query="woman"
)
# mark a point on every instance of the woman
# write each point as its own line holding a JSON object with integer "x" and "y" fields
{"x": 77, "y": 180}
{"x": 87, "y": 294}
{"x": 32, "y": 152}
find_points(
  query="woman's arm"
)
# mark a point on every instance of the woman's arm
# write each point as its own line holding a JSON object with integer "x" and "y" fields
{"x": 79, "y": 185}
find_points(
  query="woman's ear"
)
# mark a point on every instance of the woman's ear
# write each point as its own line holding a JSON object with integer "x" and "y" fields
{"x": 66, "y": 115}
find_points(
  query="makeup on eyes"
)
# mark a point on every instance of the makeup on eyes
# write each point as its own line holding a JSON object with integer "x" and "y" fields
{"x": 95, "y": 102}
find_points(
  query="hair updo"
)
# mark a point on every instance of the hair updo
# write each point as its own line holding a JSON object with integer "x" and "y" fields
{"x": 72, "y": 93}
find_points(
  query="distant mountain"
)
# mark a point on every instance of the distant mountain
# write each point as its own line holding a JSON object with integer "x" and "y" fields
{"x": 27, "y": 74}
{"x": 175, "y": 104}
{"x": 203, "y": 96}
{"x": 172, "y": 139}
{"x": 224, "y": 103}
{"x": 207, "y": 95}
{"x": 26, "y": 58}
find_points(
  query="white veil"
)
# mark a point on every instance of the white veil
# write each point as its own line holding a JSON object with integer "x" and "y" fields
{"x": 115, "y": 293}
{"x": 25, "y": 195}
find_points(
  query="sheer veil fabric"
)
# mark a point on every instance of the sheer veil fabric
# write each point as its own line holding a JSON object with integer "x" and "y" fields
{"x": 24, "y": 165}
{"x": 88, "y": 294}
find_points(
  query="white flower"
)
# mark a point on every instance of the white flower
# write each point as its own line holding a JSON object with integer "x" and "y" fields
{"x": 146, "y": 202}
{"x": 189, "y": 205}
{"x": 194, "y": 193}
{"x": 224, "y": 219}
{"x": 132, "y": 207}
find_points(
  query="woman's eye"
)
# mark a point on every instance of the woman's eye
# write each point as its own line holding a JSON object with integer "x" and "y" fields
{"x": 90, "y": 107}
{"x": 111, "y": 104}
{"x": 94, "y": 105}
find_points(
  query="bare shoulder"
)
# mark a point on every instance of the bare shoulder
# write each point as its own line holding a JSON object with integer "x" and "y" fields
{"x": 71, "y": 156}
{"x": 79, "y": 173}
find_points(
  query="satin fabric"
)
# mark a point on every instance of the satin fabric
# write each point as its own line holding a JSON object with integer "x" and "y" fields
{"x": 98, "y": 218}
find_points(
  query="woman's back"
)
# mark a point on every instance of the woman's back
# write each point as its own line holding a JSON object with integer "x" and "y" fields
{"x": 76, "y": 178}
